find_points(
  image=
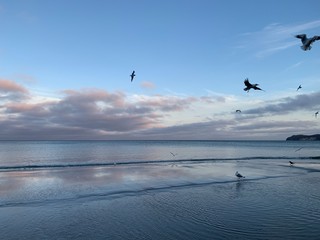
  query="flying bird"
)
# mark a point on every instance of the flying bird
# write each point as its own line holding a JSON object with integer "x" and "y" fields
{"x": 316, "y": 114}
{"x": 291, "y": 163}
{"x": 299, "y": 87}
{"x": 249, "y": 86}
{"x": 307, "y": 42}
{"x": 238, "y": 111}
{"x": 298, "y": 149}
{"x": 132, "y": 75}
{"x": 173, "y": 154}
{"x": 239, "y": 175}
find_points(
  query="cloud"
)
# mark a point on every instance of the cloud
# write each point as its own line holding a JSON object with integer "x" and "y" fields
{"x": 85, "y": 114}
{"x": 275, "y": 37}
{"x": 8, "y": 86}
{"x": 99, "y": 114}
{"x": 213, "y": 99}
{"x": 305, "y": 102}
{"x": 147, "y": 85}
{"x": 229, "y": 129}
{"x": 11, "y": 90}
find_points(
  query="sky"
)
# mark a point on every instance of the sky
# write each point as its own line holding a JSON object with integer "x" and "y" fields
{"x": 65, "y": 69}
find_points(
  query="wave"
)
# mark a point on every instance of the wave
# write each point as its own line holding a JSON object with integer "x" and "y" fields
{"x": 115, "y": 194}
{"x": 175, "y": 161}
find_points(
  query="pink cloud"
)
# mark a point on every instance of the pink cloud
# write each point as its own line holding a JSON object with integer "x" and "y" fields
{"x": 8, "y": 86}
{"x": 147, "y": 85}
{"x": 167, "y": 103}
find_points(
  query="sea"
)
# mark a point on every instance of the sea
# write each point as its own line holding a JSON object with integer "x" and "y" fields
{"x": 159, "y": 190}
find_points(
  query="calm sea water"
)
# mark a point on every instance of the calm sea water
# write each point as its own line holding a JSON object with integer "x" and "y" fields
{"x": 139, "y": 190}
{"x": 45, "y": 153}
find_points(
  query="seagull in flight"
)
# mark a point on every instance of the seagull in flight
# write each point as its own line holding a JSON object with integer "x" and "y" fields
{"x": 299, "y": 87}
{"x": 173, "y": 154}
{"x": 239, "y": 175}
{"x": 316, "y": 114}
{"x": 238, "y": 111}
{"x": 132, "y": 75}
{"x": 291, "y": 163}
{"x": 307, "y": 42}
{"x": 249, "y": 86}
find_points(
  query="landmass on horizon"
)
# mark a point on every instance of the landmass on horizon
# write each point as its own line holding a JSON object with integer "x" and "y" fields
{"x": 301, "y": 137}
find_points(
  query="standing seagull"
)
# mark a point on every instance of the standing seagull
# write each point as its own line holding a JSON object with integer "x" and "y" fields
{"x": 132, "y": 75}
{"x": 299, "y": 87}
{"x": 239, "y": 175}
{"x": 249, "y": 86}
{"x": 307, "y": 42}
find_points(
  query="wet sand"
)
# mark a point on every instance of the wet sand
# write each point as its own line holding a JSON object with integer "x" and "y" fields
{"x": 163, "y": 201}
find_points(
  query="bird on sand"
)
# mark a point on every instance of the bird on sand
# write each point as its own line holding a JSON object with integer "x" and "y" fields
{"x": 249, "y": 86}
{"x": 132, "y": 75}
{"x": 239, "y": 175}
{"x": 291, "y": 163}
{"x": 307, "y": 42}
{"x": 316, "y": 114}
{"x": 299, "y": 87}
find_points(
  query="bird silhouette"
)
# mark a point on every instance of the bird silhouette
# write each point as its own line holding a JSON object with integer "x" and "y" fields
{"x": 249, "y": 86}
{"x": 238, "y": 111}
{"x": 299, "y": 87}
{"x": 173, "y": 154}
{"x": 316, "y": 114}
{"x": 291, "y": 163}
{"x": 238, "y": 175}
{"x": 307, "y": 42}
{"x": 132, "y": 75}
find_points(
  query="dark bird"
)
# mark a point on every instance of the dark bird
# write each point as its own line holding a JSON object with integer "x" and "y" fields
{"x": 316, "y": 114}
{"x": 238, "y": 111}
{"x": 132, "y": 75}
{"x": 299, "y": 87}
{"x": 173, "y": 154}
{"x": 239, "y": 175}
{"x": 291, "y": 163}
{"x": 307, "y": 42}
{"x": 249, "y": 86}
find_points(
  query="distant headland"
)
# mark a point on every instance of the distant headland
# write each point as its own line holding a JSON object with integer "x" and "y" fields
{"x": 315, "y": 137}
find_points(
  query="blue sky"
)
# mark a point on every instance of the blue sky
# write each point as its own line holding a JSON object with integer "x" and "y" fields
{"x": 65, "y": 66}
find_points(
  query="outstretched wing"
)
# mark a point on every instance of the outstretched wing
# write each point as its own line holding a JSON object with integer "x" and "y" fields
{"x": 247, "y": 83}
{"x": 315, "y": 38}
{"x": 301, "y": 36}
{"x": 257, "y": 88}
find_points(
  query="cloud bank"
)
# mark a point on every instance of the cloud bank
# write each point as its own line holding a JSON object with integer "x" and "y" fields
{"x": 91, "y": 114}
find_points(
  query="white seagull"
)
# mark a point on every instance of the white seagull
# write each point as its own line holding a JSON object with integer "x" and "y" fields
{"x": 239, "y": 175}
{"x": 307, "y": 42}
